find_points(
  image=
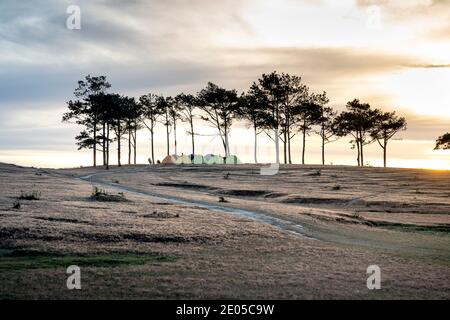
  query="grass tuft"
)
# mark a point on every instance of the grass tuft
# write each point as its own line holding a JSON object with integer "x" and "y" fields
{"x": 356, "y": 215}
{"x": 101, "y": 195}
{"x": 316, "y": 173}
{"x": 33, "y": 195}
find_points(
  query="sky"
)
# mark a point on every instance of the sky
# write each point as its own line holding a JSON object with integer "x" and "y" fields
{"x": 393, "y": 54}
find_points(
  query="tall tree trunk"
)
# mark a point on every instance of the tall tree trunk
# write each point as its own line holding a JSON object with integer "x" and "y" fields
{"x": 289, "y": 146}
{"x": 167, "y": 134}
{"x": 385, "y": 152}
{"x": 359, "y": 152}
{"x": 277, "y": 146}
{"x": 95, "y": 143}
{"x": 323, "y": 145}
{"x": 135, "y": 143}
{"x": 224, "y": 143}
{"x": 256, "y": 144}
{"x": 107, "y": 146}
{"x": 118, "y": 143}
{"x": 192, "y": 136}
{"x": 227, "y": 146}
{"x": 288, "y": 142}
{"x": 175, "y": 135}
{"x": 129, "y": 146}
{"x": 285, "y": 134}
{"x": 304, "y": 143}
{"x": 277, "y": 136}
{"x": 362, "y": 153}
{"x": 153, "y": 147}
{"x": 104, "y": 142}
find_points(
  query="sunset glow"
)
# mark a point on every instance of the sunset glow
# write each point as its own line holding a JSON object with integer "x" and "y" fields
{"x": 391, "y": 54}
{"x": 225, "y": 159}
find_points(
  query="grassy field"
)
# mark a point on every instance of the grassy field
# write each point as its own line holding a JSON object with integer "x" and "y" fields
{"x": 156, "y": 232}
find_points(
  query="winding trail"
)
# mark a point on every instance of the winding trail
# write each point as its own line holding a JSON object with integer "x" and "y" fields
{"x": 281, "y": 224}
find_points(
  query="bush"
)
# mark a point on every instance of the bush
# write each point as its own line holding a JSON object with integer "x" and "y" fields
{"x": 356, "y": 215}
{"x": 99, "y": 194}
{"x": 96, "y": 191}
{"x": 316, "y": 173}
{"x": 33, "y": 195}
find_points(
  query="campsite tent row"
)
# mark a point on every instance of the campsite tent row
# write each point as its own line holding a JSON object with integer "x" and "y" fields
{"x": 199, "y": 159}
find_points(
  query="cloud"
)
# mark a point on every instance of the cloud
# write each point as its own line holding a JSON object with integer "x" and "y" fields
{"x": 441, "y": 33}
{"x": 433, "y": 66}
{"x": 138, "y": 44}
{"x": 410, "y": 7}
{"x": 116, "y": 31}
{"x": 417, "y": 16}
{"x": 141, "y": 45}
{"x": 170, "y": 46}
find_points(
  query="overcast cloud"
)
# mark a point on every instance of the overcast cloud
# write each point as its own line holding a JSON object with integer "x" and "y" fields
{"x": 171, "y": 46}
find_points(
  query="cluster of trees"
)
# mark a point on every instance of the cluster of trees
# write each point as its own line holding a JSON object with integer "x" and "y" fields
{"x": 443, "y": 142}
{"x": 280, "y": 106}
{"x": 101, "y": 114}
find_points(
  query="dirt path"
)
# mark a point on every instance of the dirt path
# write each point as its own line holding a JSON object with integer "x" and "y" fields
{"x": 294, "y": 218}
{"x": 284, "y": 225}
{"x": 244, "y": 248}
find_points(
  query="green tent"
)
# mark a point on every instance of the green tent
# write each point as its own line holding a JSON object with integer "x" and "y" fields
{"x": 197, "y": 159}
{"x": 214, "y": 159}
{"x": 232, "y": 160}
{"x": 208, "y": 157}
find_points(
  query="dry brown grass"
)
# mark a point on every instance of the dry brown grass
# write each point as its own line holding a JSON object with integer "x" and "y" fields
{"x": 221, "y": 255}
{"x": 379, "y": 195}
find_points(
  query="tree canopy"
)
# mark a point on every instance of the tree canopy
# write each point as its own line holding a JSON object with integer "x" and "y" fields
{"x": 443, "y": 142}
{"x": 279, "y": 105}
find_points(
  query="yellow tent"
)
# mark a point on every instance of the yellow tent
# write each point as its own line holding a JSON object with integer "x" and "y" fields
{"x": 183, "y": 160}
